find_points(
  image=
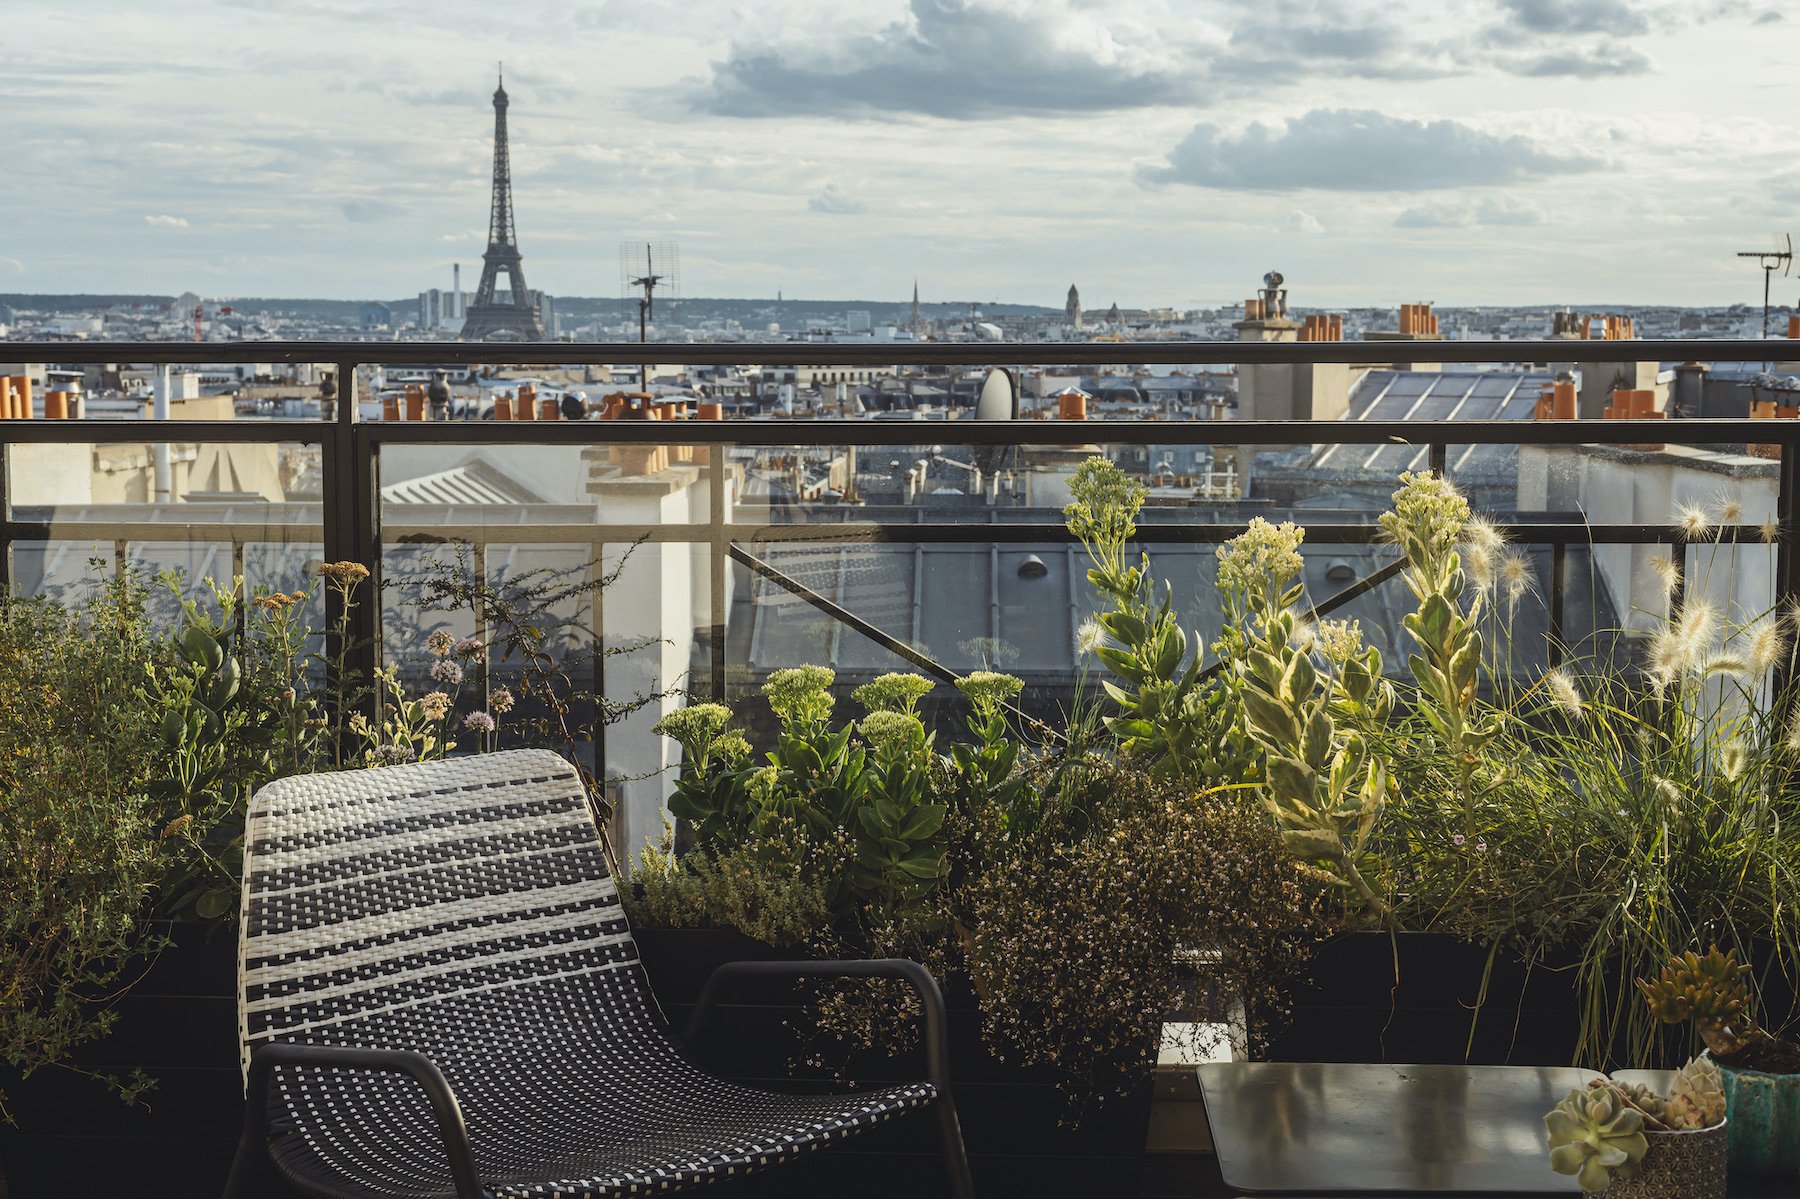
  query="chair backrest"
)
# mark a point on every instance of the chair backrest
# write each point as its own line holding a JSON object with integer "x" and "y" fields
{"x": 369, "y": 892}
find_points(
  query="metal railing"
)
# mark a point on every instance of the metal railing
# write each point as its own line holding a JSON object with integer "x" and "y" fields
{"x": 351, "y": 520}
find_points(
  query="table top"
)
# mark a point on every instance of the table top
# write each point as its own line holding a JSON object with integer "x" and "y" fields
{"x": 1310, "y": 1130}
{"x": 1295, "y": 1128}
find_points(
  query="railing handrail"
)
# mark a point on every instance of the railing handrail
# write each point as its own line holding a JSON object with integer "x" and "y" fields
{"x": 909, "y": 353}
{"x": 843, "y": 431}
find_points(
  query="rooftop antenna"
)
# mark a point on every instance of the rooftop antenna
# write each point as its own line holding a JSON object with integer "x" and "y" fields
{"x": 1781, "y": 256}
{"x": 643, "y": 267}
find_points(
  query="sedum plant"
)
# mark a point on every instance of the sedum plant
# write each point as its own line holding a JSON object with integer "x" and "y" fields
{"x": 1427, "y": 522}
{"x": 1170, "y": 714}
{"x": 855, "y": 808}
{"x": 1325, "y": 784}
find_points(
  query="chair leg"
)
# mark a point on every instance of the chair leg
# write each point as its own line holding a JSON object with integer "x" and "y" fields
{"x": 956, "y": 1156}
{"x": 252, "y": 1173}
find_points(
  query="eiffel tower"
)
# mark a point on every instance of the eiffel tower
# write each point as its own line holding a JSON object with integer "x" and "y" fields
{"x": 513, "y": 318}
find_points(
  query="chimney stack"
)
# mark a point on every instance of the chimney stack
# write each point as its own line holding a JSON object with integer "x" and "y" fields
{"x": 1323, "y": 327}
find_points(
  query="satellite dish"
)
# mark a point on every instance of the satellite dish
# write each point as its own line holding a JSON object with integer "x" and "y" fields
{"x": 1273, "y": 280}
{"x": 997, "y": 400}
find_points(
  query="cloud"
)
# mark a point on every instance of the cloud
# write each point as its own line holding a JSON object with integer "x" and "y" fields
{"x": 1586, "y": 63}
{"x": 165, "y": 221}
{"x": 833, "y": 198}
{"x": 1284, "y": 41}
{"x": 963, "y": 59}
{"x": 1613, "y": 17}
{"x": 1350, "y": 150}
{"x": 370, "y": 210}
{"x": 1303, "y": 222}
{"x": 1487, "y": 211}
{"x": 1772, "y": 17}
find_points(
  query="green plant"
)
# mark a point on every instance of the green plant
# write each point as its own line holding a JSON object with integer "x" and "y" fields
{"x": 1595, "y": 1135}
{"x": 866, "y": 786}
{"x": 1714, "y": 992}
{"x": 81, "y": 834}
{"x": 1696, "y": 1096}
{"x": 734, "y": 888}
{"x": 1180, "y": 722}
{"x": 1428, "y": 522}
{"x": 1073, "y": 919}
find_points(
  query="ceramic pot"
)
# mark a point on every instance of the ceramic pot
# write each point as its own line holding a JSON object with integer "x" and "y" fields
{"x": 1689, "y": 1164}
{"x": 1764, "y": 1113}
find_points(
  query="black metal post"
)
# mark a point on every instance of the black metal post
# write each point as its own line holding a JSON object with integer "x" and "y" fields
{"x": 348, "y": 471}
{"x": 1559, "y": 574}
{"x": 721, "y": 549}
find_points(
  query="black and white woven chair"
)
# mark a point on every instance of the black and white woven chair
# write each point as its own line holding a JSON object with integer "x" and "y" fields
{"x": 440, "y": 997}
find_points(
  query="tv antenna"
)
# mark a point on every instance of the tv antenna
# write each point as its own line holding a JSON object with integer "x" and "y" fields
{"x": 1781, "y": 256}
{"x": 646, "y": 267}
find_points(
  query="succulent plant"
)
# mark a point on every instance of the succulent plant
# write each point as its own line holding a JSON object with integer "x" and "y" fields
{"x": 1713, "y": 991}
{"x": 1594, "y": 1135}
{"x": 1696, "y": 1097}
{"x": 1637, "y": 1095}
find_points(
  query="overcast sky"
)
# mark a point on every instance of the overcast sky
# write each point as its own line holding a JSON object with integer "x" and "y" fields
{"x": 1152, "y": 151}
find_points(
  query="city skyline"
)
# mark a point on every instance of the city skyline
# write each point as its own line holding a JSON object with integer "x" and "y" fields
{"x": 1154, "y": 152}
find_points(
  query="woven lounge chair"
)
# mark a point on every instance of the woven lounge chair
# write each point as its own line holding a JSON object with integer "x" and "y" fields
{"x": 440, "y": 996}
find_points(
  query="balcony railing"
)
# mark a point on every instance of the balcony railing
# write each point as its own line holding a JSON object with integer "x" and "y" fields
{"x": 352, "y": 524}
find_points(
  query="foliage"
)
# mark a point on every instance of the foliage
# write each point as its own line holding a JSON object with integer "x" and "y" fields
{"x": 128, "y": 756}
{"x": 735, "y": 888}
{"x": 1611, "y": 810}
{"x": 1324, "y": 785}
{"x": 864, "y": 788}
{"x": 81, "y": 833}
{"x": 1073, "y": 927}
{"x": 552, "y": 654}
{"x": 1428, "y": 522}
{"x": 1169, "y": 715}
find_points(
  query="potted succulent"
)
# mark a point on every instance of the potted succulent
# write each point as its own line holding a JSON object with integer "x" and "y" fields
{"x": 1628, "y": 1142}
{"x": 1761, "y": 1071}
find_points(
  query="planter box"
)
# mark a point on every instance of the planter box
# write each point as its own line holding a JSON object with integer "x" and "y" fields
{"x": 1010, "y": 1114}
{"x": 179, "y": 1024}
{"x": 1417, "y": 998}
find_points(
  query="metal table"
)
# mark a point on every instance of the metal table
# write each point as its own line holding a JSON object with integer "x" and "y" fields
{"x": 1308, "y": 1129}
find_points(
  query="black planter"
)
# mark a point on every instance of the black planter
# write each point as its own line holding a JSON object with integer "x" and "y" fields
{"x": 1418, "y": 998}
{"x": 75, "y": 1139}
{"x": 1011, "y": 1115}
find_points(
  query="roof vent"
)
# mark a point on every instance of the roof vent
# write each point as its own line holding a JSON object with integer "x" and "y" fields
{"x": 1033, "y": 567}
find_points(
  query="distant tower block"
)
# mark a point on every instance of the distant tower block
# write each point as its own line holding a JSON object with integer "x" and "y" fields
{"x": 514, "y": 318}
{"x": 1072, "y": 309}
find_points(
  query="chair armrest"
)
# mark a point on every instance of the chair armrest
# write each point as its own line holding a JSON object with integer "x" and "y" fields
{"x": 416, "y": 1066}
{"x": 931, "y": 998}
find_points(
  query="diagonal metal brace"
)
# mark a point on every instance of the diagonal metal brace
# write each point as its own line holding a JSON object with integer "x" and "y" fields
{"x": 879, "y": 636}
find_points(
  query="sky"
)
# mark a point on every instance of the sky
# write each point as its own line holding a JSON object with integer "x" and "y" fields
{"x": 1153, "y": 152}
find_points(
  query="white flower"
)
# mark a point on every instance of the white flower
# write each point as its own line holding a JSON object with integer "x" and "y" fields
{"x": 1089, "y": 637}
{"x": 1768, "y": 645}
{"x": 1563, "y": 692}
{"x": 1692, "y": 521}
{"x": 1668, "y": 572}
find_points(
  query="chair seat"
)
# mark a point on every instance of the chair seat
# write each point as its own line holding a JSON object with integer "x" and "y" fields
{"x": 555, "y": 1105}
